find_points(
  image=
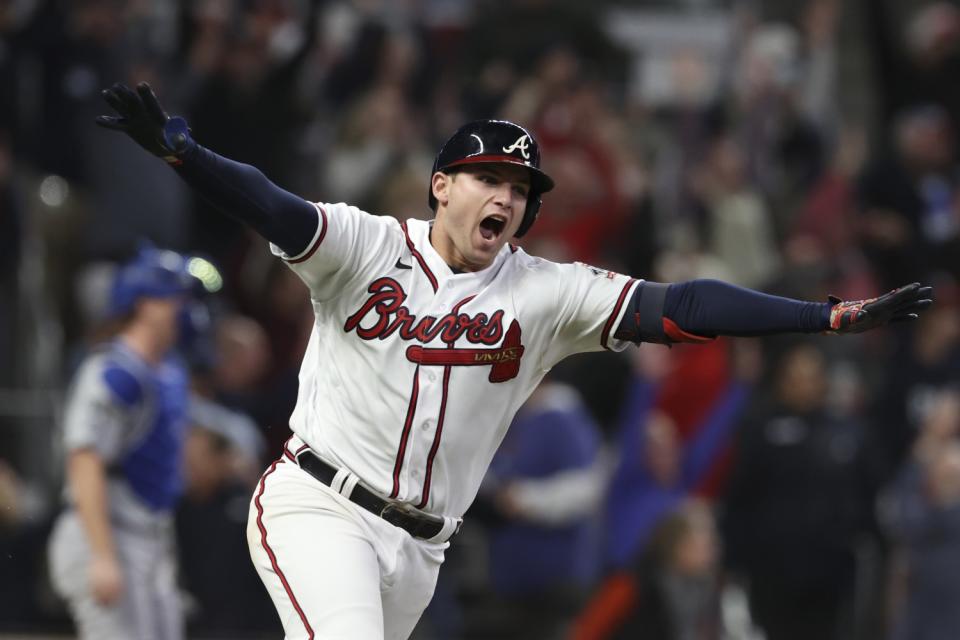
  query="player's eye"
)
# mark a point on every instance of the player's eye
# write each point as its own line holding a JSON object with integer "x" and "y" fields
{"x": 520, "y": 190}
{"x": 487, "y": 178}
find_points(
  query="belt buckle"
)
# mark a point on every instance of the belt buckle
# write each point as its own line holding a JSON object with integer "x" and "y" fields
{"x": 393, "y": 512}
{"x": 404, "y": 516}
{"x": 399, "y": 515}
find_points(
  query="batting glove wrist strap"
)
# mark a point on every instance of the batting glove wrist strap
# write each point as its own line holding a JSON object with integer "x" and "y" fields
{"x": 898, "y": 305}
{"x": 176, "y": 138}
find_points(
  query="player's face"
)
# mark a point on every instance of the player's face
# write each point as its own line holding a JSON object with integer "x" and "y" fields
{"x": 161, "y": 315}
{"x": 480, "y": 208}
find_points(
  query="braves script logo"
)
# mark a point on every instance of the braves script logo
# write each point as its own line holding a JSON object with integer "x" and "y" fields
{"x": 520, "y": 144}
{"x": 390, "y": 315}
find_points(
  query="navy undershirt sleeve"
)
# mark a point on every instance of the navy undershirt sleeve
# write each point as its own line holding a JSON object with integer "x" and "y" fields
{"x": 712, "y": 308}
{"x": 241, "y": 191}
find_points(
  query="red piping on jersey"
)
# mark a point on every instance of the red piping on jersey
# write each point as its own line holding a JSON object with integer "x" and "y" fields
{"x": 406, "y": 432}
{"x": 616, "y": 312}
{"x": 436, "y": 440}
{"x": 416, "y": 254}
{"x": 273, "y": 557}
{"x": 293, "y": 455}
{"x": 286, "y": 449}
{"x": 456, "y": 307}
{"x": 316, "y": 245}
{"x": 443, "y": 411}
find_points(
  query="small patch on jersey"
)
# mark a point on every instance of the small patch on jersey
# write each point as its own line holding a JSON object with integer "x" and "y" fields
{"x": 124, "y": 385}
{"x": 609, "y": 275}
{"x": 400, "y": 265}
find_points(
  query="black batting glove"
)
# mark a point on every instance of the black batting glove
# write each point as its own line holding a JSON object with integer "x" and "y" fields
{"x": 900, "y": 304}
{"x": 144, "y": 120}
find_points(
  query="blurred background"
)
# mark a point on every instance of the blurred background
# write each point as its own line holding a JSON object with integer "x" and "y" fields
{"x": 778, "y": 488}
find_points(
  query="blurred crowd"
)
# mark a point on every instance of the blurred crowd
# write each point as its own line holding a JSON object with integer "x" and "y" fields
{"x": 767, "y": 488}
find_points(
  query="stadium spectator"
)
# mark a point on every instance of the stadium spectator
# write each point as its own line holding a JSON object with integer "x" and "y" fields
{"x": 661, "y": 466}
{"x": 798, "y": 499}
{"x": 672, "y": 593}
{"x": 921, "y": 511}
{"x": 922, "y": 368}
{"x": 221, "y": 454}
{"x": 544, "y": 484}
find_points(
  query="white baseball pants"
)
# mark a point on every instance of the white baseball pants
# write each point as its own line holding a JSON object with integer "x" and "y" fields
{"x": 333, "y": 569}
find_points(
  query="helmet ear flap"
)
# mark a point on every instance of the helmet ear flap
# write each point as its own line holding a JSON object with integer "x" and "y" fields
{"x": 530, "y": 215}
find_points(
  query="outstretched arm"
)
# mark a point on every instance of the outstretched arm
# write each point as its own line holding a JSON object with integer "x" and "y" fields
{"x": 236, "y": 189}
{"x": 700, "y": 310}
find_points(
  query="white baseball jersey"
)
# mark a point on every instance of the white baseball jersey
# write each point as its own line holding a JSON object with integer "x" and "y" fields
{"x": 413, "y": 372}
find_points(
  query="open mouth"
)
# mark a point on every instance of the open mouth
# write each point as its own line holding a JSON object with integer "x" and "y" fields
{"x": 492, "y": 226}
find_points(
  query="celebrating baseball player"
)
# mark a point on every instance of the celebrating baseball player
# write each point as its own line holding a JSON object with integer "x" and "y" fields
{"x": 111, "y": 552}
{"x": 428, "y": 336}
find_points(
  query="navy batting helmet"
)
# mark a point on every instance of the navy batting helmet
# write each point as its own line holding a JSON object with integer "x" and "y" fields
{"x": 497, "y": 141}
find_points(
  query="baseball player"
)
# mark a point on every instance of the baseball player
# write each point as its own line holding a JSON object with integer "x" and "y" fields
{"x": 428, "y": 336}
{"x": 111, "y": 551}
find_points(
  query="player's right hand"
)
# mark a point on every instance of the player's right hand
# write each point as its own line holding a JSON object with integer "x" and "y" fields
{"x": 144, "y": 120}
{"x": 106, "y": 579}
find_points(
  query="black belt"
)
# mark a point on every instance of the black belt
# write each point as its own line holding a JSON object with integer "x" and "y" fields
{"x": 416, "y": 523}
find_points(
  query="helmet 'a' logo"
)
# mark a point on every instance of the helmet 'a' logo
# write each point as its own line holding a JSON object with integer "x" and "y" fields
{"x": 522, "y": 143}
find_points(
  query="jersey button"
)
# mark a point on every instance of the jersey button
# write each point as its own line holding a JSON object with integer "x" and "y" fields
{"x": 426, "y": 425}
{"x": 432, "y": 377}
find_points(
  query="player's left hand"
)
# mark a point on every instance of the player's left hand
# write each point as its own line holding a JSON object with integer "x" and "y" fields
{"x": 904, "y": 303}
{"x": 144, "y": 120}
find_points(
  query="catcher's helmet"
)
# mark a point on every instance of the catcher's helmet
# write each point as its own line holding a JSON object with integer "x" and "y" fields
{"x": 152, "y": 273}
{"x": 498, "y": 141}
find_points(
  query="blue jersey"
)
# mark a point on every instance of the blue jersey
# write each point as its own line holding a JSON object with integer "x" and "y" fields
{"x": 134, "y": 415}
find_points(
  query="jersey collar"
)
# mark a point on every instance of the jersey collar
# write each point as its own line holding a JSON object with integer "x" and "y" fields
{"x": 419, "y": 233}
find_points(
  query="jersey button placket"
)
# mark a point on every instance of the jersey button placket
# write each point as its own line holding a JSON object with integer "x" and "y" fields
{"x": 442, "y": 299}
